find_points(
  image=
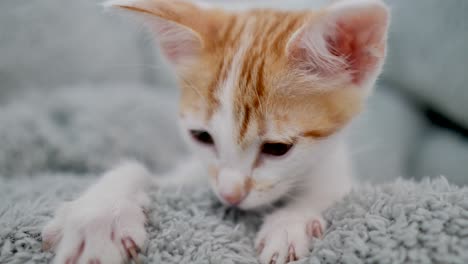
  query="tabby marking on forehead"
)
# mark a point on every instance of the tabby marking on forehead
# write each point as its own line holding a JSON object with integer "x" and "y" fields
{"x": 263, "y": 34}
{"x": 244, "y": 69}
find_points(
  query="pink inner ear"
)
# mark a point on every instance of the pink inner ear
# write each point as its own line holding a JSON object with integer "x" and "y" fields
{"x": 178, "y": 43}
{"x": 177, "y": 51}
{"x": 360, "y": 41}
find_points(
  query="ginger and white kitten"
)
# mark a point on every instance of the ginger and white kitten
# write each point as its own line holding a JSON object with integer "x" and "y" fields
{"x": 265, "y": 98}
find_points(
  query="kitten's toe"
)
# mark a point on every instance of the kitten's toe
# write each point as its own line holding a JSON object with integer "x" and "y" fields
{"x": 283, "y": 244}
{"x": 260, "y": 246}
{"x": 274, "y": 249}
{"x": 292, "y": 254}
{"x": 283, "y": 238}
{"x": 70, "y": 250}
{"x": 52, "y": 233}
{"x": 315, "y": 229}
{"x": 51, "y": 236}
{"x": 131, "y": 249}
{"x": 274, "y": 258}
{"x": 108, "y": 233}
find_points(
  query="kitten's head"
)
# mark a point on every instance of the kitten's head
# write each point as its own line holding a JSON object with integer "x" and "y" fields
{"x": 265, "y": 91}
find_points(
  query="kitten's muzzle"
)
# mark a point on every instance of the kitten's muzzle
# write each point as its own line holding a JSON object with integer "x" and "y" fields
{"x": 234, "y": 198}
{"x": 232, "y": 187}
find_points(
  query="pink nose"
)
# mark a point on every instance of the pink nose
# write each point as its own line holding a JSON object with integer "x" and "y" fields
{"x": 233, "y": 198}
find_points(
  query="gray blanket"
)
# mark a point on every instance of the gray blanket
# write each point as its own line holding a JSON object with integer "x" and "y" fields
{"x": 53, "y": 147}
{"x": 403, "y": 222}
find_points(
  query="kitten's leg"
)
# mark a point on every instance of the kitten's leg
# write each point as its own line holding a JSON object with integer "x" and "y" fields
{"x": 286, "y": 234}
{"x": 106, "y": 223}
{"x": 188, "y": 172}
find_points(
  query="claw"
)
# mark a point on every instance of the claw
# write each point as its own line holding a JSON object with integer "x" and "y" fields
{"x": 314, "y": 229}
{"x": 134, "y": 256}
{"x": 112, "y": 234}
{"x": 50, "y": 240}
{"x": 260, "y": 247}
{"x": 274, "y": 258}
{"x": 74, "y": 259}
{"x": 317, "y": 229}
{"x": 46, "y": 246}
{"x": 132, "y": 249}
{"x": 292, "y": 254}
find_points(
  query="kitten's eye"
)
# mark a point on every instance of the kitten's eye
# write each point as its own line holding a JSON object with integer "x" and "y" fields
{"x": 202, "y": 137}
{"x": 276, "y": 149}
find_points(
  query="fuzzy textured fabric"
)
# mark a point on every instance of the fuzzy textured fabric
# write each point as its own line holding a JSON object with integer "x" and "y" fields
{"x": 403, "y": 222}
{"x": 52, "y": 147}
{"x": 88, "y": 128}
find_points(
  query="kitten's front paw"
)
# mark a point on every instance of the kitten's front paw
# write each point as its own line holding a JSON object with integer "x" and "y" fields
{"x": 96, "y": 232}
{"x": 286, "y": 237}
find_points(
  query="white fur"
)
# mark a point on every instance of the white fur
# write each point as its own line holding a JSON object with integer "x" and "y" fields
{"x": 113, "y": 205}
{"x": 111, "y": 3}
{"x": 232, "y": 164}
{"x": 321, "y": 170}
{"x": 350, "y": 8}
{"x": 226, "y": 157}
{"x": 352, "y": 5}
{"x": 313, "y": 38}
{"x": 178, "y": 40}
{"x": 313, "y": 175}
{"x": 314, "y": 41}
{"x": 282, "y": 229}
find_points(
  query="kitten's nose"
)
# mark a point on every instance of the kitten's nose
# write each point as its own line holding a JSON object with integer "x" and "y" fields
{"x": 233, "y": 186}
{"x": 234, "y": 198}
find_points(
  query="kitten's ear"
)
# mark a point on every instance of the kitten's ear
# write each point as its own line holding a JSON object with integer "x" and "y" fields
{"x": 347, "y": 41}
{"x": 173, "y": 22}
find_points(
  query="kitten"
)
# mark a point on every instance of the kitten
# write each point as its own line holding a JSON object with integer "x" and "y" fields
{"x": 266, "y": 96}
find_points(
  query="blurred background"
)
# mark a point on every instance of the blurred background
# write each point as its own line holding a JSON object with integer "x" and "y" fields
{"x": 81, "y": 88}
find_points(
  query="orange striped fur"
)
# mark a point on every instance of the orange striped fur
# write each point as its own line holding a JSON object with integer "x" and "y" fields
{"x": 269, "y": 90}
{"x": 264, "y": 93}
